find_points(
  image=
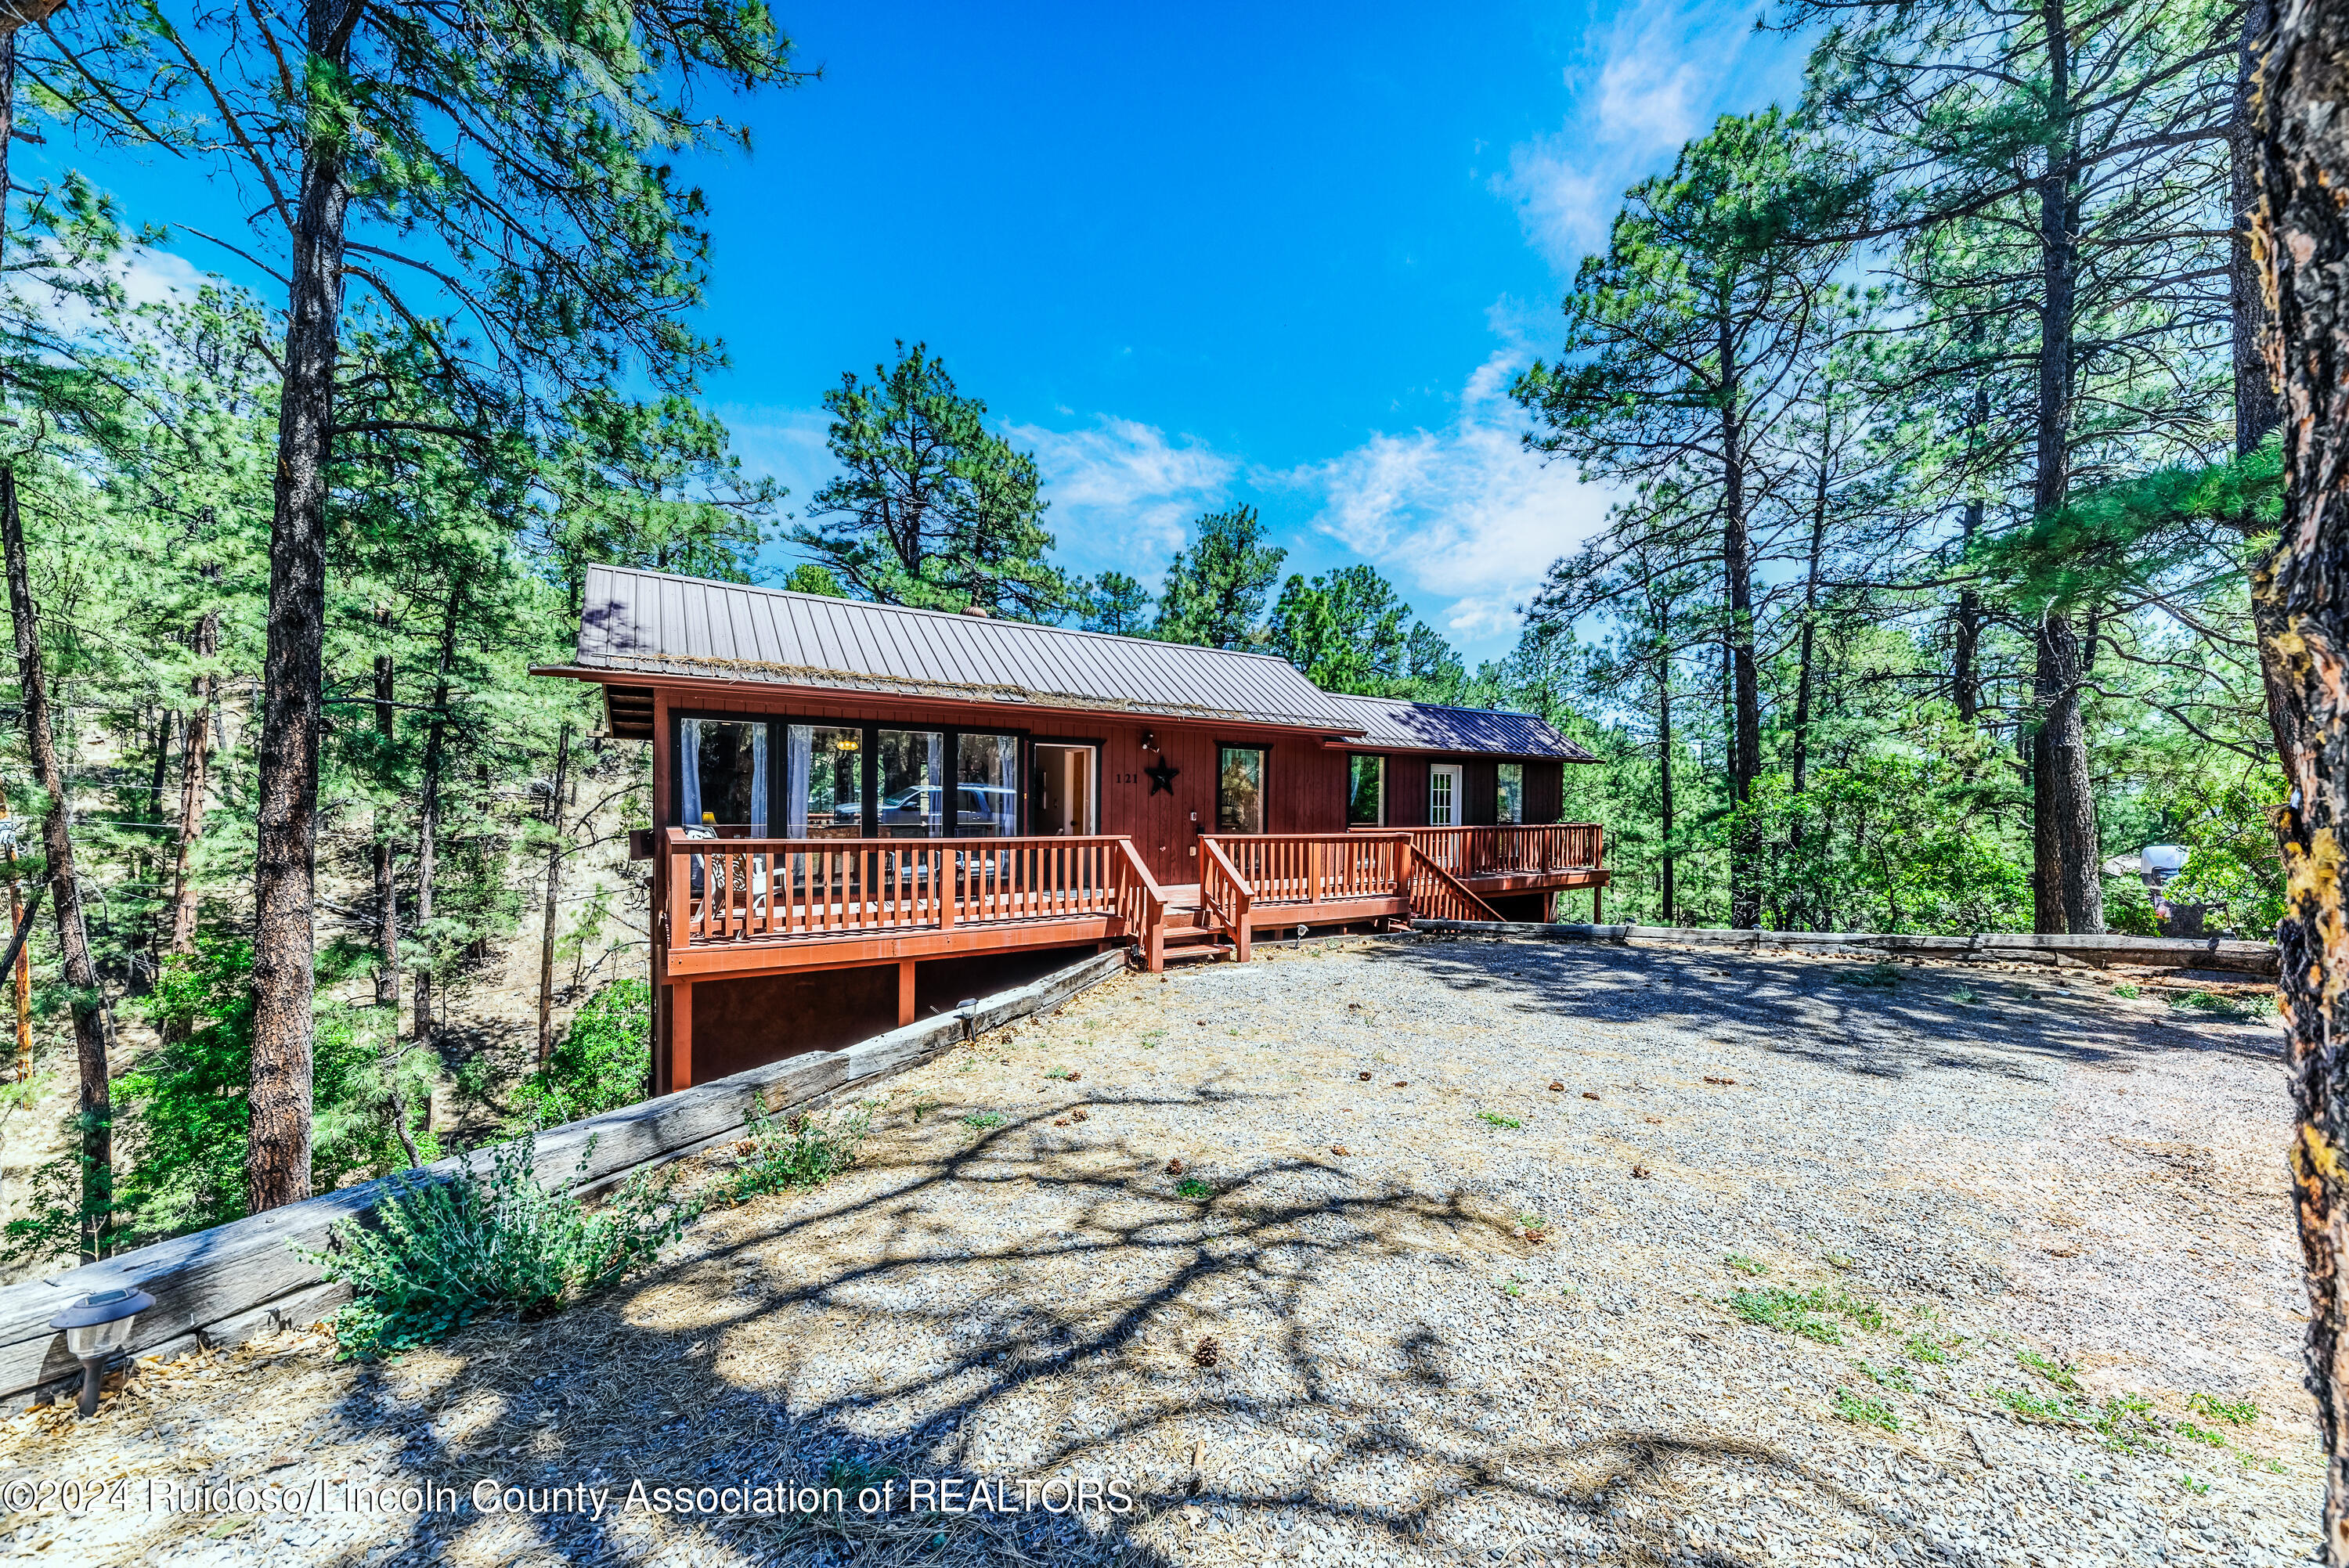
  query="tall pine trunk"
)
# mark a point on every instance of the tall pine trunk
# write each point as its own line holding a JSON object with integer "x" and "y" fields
{"x": 1744, "y": 683}
{"x": 387, "y": 889}
{"x": 428, "y": 832}
{"x": 195, "y": 750}
{"x": 277, "y": 1166}
{"x": 1664, "y": 761}
{"x": 2257, "y": 406}
{"x": 2067, "y": 870}
{"x": 553, "y": 888}
{"x": 94, "y": 1108}
{"x": 2303, "y": 590}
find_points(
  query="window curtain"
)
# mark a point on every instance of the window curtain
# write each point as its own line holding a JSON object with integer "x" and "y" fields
{"x": 1006, "y": 801}
{"x": 935, "y": 797}
{"x": 800, "y": 744}
{"x": 689, "y": 773}
{"x": 759, "y": 781}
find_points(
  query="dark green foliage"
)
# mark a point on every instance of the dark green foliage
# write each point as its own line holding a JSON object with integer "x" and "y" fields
{"x": 603, "y": 1062}
{"x": 2122, "y": 539}
{"x": 1215, "y": 590}
{"x": 1348, "y": 630}
{"x": 933, "y": 508}
{"x": 180, "y": 1113}
{"x": 444, "y": 1250}
{"x": 807, "y": 577}
{"x": 804, "y": 1150}
{"x": 1117, "y": 604}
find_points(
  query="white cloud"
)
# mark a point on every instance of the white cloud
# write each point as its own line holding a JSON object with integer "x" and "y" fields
{"x": 1123, "y": 494}
{"x": 782, "y": 443}
{"x": 1664, "y": 72}
{"x": 1464, "y": 513}
{"x": 146, "y": 276}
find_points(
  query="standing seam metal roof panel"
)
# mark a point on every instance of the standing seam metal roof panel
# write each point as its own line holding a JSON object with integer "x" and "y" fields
{"x": 1389, "y": 725}
{"x": 658, "y": 623}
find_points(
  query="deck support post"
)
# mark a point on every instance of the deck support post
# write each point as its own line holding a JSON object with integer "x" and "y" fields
{"x": 680, "y": 1035}
{"x": 904, "y": 992}
{"x": 1595, "y": 891}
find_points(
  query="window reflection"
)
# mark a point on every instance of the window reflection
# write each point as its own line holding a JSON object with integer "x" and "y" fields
{"x": 1509, "y": 793}
{"x": 1239, "y": 790}
{"x": 912, "y": 765}
{"x": 987, "y": 785}
{"x": 1366, "y": 792}
{"x": 724, "y": 776}
{"x": 824, "y": 788}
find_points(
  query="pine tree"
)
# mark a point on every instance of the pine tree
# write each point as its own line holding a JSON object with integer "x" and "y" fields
{"x": 933, "y": 508}
{"x": 1215, "y": 590}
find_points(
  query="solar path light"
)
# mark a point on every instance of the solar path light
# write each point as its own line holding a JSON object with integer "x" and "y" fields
{"x": 97, "y": 1329}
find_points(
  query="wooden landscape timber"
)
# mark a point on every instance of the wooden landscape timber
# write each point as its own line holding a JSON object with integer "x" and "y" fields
{"x": 227, "y": 1284}
{"x": 2210, "y": 952}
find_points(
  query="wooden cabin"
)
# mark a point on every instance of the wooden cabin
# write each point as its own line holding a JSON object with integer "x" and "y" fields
{"x": 866, "y": 814}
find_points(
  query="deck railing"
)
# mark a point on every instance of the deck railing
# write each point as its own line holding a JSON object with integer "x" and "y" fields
{"x": 1318, "y": 868}
{"x": 1226, "y": 896}
{"x": 1503, "y": 850}
{"x": 732, "y": 889}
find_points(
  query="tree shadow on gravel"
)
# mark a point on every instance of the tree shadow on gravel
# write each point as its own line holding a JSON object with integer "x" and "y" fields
{"x": 1032, "y": 1300}
{"x": 1875, "y": 1020}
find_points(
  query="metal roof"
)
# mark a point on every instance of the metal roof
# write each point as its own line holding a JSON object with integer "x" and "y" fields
{"x": 654, "y": 623}
{"x": 1388, "y": 725}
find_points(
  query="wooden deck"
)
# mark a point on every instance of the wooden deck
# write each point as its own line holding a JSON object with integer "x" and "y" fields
{"x": 737, "y": 907}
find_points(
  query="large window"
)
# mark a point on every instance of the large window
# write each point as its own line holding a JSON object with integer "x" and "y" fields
{"x": 823, "y": 782}
{"x": 987, "y": 785}
{"x": 1366, "y": 792}
{"x": 1509, "y": 793}
{"x": 723, "y": 778}
{"x": 850, "y": 780}
{"x": 912, "y": 764}
{"x": 1239, "y": 790}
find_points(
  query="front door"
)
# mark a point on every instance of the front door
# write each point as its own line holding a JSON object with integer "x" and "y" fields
{"x": 1444, "y": 795}
{"x": 1064, "y": 791}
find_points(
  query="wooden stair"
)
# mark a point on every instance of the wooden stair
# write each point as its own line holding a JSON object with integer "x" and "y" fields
{"x": 1191, "y": 934}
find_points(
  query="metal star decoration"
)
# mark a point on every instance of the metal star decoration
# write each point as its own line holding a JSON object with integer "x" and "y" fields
{"x": 1162, "y": 777}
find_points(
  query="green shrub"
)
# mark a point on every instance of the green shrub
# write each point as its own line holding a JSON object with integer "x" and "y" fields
{"x": 1799, "y": 1311}
{"x": 182, "y": 1121}
{"x": 444, "y": 1252}
{"x": 601, "y": 1064}
{"x": 799, "y": 1152}
{"x": 1860, "y": 1410}
{"x": 2242, "y": 1412}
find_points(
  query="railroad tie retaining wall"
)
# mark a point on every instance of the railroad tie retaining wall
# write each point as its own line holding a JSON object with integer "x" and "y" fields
{"x": 227, "y": 1284}
{"x": 2211, "y": 952}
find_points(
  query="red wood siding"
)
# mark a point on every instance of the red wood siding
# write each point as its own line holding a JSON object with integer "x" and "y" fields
{"x": 1480, "y": 785}
{"x": 1544, "y": 791}
{"x": 1406, "y": 789}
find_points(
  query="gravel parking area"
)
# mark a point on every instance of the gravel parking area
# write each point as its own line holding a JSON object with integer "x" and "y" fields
{"x": 1389, "y": 1250}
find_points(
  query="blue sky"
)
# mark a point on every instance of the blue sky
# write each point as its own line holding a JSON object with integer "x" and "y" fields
{"x": 1194, "y": 255}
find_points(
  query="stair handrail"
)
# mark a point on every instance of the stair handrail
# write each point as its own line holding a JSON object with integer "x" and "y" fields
{"x": 1234, "y": 910}
{"x": 1149, "y": 923}
{"x": 1472, "y": 906}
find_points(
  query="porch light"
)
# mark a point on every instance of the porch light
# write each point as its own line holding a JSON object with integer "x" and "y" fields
{"x": 97, "y": 1329}
{"x": 1149, "y": 740}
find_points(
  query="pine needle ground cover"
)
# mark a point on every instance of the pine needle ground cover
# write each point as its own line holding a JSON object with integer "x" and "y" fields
{"x": 2044, "y": 1225}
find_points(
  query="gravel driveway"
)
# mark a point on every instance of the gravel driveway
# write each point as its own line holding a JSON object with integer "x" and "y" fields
{"x": 1479, "y": 1251}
